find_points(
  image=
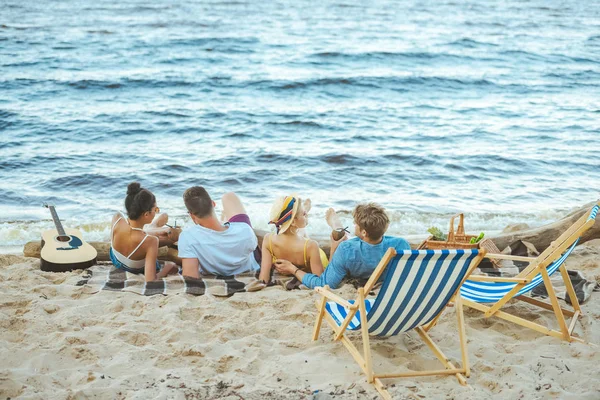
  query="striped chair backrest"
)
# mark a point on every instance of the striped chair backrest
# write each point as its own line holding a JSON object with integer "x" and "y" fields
{"x": 491, "y": 292}
{"x": 417, "y": 286}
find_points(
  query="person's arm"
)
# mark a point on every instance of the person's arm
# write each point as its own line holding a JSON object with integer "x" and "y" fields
{"x": 150, "y": 260}
{"x": 335, "y": 243}
{"x": 316, "y": 265}
{"x": 166, "y": 235}
{"x": 404, "y": 245}
{"x": 267, "y": 261}
{"x": 190, "y": 266}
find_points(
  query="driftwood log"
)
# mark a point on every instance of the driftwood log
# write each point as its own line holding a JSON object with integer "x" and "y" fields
{"x": 544, "y": 235}
{"x": 33, "y": 249}
{"x": 540, "y": 237}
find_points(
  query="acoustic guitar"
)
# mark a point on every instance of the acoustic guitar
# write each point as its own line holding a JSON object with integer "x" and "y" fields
{"x": 63, "y": 249}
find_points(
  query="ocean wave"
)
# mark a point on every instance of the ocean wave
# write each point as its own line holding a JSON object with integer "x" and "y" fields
{"x": 410, "y": 159}
{"x": 177, "y": 168}
{"x": 167, "y": 114}
{"x": 471, "y": 44}
{"x": 307, "y": 124}
{"x": 22, "y": 64}
{"x": 340, "y": 159}
{"x": 101, "y": 31}
{"x": 366, "y": 82}
{"x": 398, "y": 56}
{"x": 83, "y": 181}
{"x": 370, "y": 82}
{"x": 239, "y": 44}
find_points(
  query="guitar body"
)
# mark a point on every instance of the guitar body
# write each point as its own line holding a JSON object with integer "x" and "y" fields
{"x": 66, "y": 253}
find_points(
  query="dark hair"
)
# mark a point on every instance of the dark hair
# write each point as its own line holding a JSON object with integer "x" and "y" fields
{"x": 138, "y": 200}
{"x": 372, "y": 218}
{"x": 198, "y": 201}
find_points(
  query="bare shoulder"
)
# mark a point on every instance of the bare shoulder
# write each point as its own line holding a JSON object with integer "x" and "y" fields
{"x": 116, "y": 217}
{"x": 270, "y": 237}
{"x": 313, "y": 245}
{"x": 151, "y": 241}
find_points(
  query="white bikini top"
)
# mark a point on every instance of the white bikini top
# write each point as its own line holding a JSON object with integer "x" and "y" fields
{"x": 127, "y": 261}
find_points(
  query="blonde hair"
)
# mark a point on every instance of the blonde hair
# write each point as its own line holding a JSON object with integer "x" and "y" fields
{"x": 372, "y": 218}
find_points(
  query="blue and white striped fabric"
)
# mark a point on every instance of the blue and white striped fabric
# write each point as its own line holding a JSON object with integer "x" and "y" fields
{"x": 594, "y": 213}
{"x": 491, "y": 292}
{"x": 417, "y": 286}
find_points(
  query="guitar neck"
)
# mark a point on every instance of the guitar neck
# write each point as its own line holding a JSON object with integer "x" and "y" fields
{"x": 59, "y": 227}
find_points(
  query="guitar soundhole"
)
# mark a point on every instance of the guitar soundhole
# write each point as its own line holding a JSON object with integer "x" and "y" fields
{"x": 63, "y": 238}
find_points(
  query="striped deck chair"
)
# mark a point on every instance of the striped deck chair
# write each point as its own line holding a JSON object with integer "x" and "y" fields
{"x": 418, "y": 285}
{"x": 478, "y": 290}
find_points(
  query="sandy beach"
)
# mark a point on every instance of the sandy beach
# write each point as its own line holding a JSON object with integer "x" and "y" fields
{"x": 61, "y": 342}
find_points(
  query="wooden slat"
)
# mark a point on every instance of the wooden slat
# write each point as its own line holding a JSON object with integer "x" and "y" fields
{"x": 573, "y": 322}
{"x": 438, "y": 353}
{"x": 485, "y": 278}
{"x": 321, "y": 308}
{"x": 557, "y": 310}
{"x": 365, "y": 334}
{"x": 381, "y": 389}
{"x": 505, "y": 299}
{"x": 542, "y": 304}
{"x": 421, "y": 373}
{"x": 570, "y": 288}
{"x": 433, "y": 323}
{"x": 332, "y": 296}
{"x": 385, "y": 260}
{"x": 515, "y": 319}
{"x": 462, "y": 335}
{"x": 510, "y": 257}
{"x": 348, "y": 344}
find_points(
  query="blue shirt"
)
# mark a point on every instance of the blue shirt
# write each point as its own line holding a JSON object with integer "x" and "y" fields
{"x": 354, "y": 258}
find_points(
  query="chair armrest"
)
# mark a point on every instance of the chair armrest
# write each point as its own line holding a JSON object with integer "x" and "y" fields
{"x": 484, "y": 278}
{"x": 509, "y": 257}
{"x": 332, "y": 296}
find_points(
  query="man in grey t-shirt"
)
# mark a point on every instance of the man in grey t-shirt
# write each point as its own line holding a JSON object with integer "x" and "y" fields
{"x": 214, "y": 247}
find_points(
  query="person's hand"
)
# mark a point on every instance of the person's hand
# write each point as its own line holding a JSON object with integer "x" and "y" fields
{"x": 173, "y": 234}
{"x": 337, "y": 242}
{"x": 284, "y": 267}
{"x": 168, "y": 269}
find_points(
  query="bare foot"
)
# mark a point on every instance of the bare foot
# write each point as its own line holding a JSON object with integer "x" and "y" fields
{"x": 307, "y": 205}
{"x": 159, "y": 220}
{"x": 169, "y": 268}
{"x": 256, "y": 285}
{"x": 333, "y": 220}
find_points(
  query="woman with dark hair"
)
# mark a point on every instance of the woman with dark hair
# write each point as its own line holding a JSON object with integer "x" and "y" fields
{"x": 132, "y": 249}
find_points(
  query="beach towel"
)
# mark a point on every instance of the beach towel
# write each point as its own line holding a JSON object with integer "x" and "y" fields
{"x": 583, "y": 287}
{"x": 105, "y": 276}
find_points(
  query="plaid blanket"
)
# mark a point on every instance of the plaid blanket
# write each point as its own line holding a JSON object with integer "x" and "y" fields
{"x": 105, "y": 276}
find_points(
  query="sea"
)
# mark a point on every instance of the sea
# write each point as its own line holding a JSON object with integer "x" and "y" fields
{"x": 430, "y": 108}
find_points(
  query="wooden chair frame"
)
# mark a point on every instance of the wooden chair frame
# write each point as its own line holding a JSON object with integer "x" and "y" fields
{"x": 536, "y": 266}
{"x": 365, "y": 360}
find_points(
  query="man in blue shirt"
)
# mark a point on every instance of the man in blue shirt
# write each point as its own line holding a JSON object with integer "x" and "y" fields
{"x": 357, "y": 257}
